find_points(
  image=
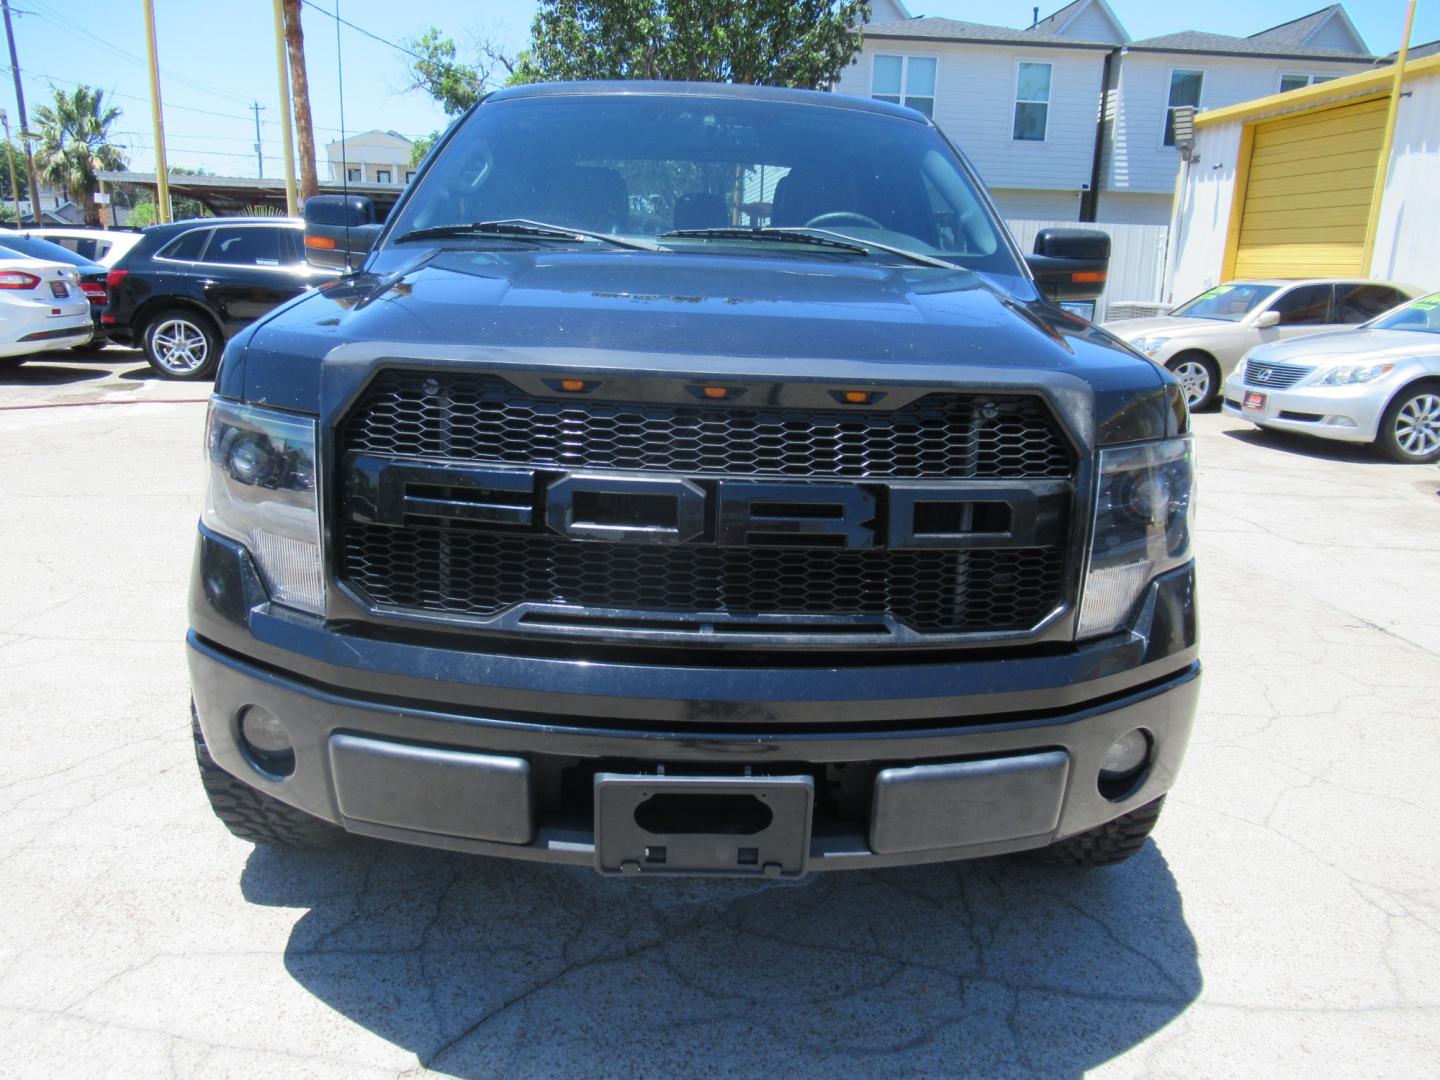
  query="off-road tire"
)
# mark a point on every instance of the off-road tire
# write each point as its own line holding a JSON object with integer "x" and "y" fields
{"x": 252, "y": 815}
{"x": 1111, "y": 843}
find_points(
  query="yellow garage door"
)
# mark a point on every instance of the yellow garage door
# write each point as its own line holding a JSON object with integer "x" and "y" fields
{"x": 1308, "y": 195}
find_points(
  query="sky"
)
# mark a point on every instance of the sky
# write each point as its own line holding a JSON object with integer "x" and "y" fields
{"x": 217, "y": 58}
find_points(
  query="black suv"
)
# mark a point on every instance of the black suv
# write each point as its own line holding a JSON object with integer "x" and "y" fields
{"x": 694, "y": 479}
{"x": 188, "y": 286}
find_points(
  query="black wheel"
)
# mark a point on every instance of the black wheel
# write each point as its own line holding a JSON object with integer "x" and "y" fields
{"x": 1111, "y": 843}
{"x": 182, "y": 345}
{"x": 1199, "y": 378}
{"x": 253, "y": 815}
{"x": 1410, "y": 428}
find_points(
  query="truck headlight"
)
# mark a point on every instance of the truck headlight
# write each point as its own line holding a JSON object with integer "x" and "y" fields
{"x": 1346, "y": 374}
{"x": 1144, "y": 512}
{"x": 262, "y": 492}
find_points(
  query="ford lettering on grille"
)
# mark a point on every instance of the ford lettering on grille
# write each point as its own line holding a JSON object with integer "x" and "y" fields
{"x": 605, "y": 506}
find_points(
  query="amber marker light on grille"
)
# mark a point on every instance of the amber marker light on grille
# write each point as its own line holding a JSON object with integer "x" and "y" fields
{"x": 572, "y": 384}
{"x": 857, "y": 397}
{"x": 716, "y": 392}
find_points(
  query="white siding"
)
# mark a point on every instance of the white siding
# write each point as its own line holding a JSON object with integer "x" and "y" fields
{"x": 1334, "y": 35}
{"x": 1135, "y": 208}
{"x": 886, "y": 11}
{"x": 1205, "y": 214}
{"x": 975, "y": 106}
{"x": 1137, "y": 159}
{"x": 1092, "y": 25}
{"x": 1410, "y": 214}
{"x": 1041, "y": 205}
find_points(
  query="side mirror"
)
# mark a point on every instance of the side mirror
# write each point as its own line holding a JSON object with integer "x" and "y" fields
{"x": 339, "y": 229}
{"x": 1267, "y": 319}
{"x": 1070, "y": 264}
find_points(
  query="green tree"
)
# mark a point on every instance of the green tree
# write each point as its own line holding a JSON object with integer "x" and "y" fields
{"x": 803, "y": 43}
{"x": 75, "y": 144}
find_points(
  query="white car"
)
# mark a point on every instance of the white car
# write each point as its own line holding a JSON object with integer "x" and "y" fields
{"x": 1378, "y": 383}
{"x": 41, "y": 307}
{"x": 104, "y": 246}
{"x": 1203, "y": 339}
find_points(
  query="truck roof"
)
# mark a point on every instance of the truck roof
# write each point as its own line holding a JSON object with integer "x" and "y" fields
{"x": 732, "y": 91}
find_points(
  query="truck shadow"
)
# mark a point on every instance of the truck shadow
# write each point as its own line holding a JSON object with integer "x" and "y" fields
{"x": 485, "y": 966}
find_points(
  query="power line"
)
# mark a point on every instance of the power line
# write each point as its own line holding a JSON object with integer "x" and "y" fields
{"x": 362, "y": 30}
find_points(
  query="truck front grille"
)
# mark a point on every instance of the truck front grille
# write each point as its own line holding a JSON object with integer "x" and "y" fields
{"x": 431, "y": 562}
{"x": 485, "y": 418}
{"x": 464, "y": 571}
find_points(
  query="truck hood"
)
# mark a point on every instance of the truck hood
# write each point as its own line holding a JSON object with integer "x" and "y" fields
{"x": 772, "y": 318}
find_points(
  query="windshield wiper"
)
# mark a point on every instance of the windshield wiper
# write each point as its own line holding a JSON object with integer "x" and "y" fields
{"x": 522, "y": 228}
{"x": 819, "y": 237}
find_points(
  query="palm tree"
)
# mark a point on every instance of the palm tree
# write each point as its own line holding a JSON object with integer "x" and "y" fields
{"x": 74, "y": 135}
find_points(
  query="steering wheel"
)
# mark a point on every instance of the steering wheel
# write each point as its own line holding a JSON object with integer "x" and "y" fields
{"x": 843, "y": 217}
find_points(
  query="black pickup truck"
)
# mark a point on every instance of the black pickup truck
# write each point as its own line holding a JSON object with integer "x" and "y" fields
{"x": 692, "y": 479}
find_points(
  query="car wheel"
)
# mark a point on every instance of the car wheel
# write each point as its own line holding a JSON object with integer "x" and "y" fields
{"x": 182, "y": 345}
{"x": 1199, "y": 378}
{"x": 1410, "y": 429}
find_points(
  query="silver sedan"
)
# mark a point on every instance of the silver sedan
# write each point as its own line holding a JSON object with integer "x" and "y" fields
{"x": 1378, "y": 383}
{"x": 1202, "y": 340}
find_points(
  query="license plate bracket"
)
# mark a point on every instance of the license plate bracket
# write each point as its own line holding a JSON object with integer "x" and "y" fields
{"x": 1254, "y": 399}
{"x": 707, "y": 826}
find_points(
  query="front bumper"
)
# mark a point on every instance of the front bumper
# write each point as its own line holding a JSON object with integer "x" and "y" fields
{"x": 1346, "y": 413}
{"x": 429, "y": 741}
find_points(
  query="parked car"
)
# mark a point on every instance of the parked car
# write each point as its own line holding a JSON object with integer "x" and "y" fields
{"x": 92, "y": 275}
{"x": 1202, "y": 340}
{"x": 1378, "y": 383}
{"x": 104, "y": 246}
{"x": 41, "y": 307}
{"x": 689, "y": 547}
{"x": 188, "y": 286}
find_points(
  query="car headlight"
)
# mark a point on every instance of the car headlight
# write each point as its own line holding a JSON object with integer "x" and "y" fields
{"x": 1150, "y": 345}
{"x": 262, "y": 492}
{"x": 1347, "y": 374}
{"x": 1144, "y": 513}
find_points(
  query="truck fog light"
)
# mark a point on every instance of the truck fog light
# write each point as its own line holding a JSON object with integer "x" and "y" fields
{"x": 1126, "y": 755}
{"x": 266, "y": 741}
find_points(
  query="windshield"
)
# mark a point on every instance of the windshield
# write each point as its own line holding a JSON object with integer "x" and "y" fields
{"x": 1422, "y": 315}
{"x": 643, "y": 165}
{"x": 1228, "y": 303}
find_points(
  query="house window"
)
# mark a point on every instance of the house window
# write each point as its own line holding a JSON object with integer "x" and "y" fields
{"x": 905, "y": 80}
{"x": 1185, "y": 89}
{"x": 1290, "y": 81}
{"x": 1032, "y": 102}
{"x": 382, "y": 176}
{"x": 354, "y": 176}
{"x": 409, "y": 175}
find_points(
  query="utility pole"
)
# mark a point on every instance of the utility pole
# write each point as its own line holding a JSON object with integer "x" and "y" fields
{"x": 10, "y": 160}
{"x": 259, "y": 154}
{"x": 282, "y": 69}
{"x": 162, "y": 170}
{"x": 24, "y": 124}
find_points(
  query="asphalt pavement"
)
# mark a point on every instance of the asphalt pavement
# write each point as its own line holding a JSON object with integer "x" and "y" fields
{"x": 1283, "y": 921}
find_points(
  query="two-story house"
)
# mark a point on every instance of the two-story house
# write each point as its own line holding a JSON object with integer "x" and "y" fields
{"x": 1156, "y": 75}
{"x": 1022, "y": 104}
{"x": 371, "y": 157}
{"x": 1069, "y": 119}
